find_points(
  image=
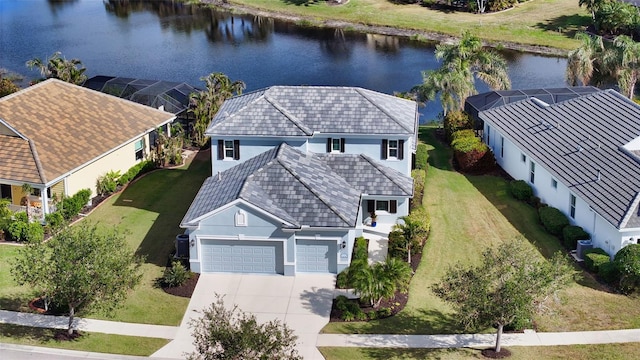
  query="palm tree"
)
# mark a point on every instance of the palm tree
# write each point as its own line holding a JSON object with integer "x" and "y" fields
{"x": 373, "y": 283}
{"x": 582, "y": 61}
{"x": 205, "y": 104}
{"x": 627, "y": 58}
{"x": 413, "y": 233}
{"x": 58, "y": 67}
{"x": 592, "y": 5}
{"x": 462, "y": 63}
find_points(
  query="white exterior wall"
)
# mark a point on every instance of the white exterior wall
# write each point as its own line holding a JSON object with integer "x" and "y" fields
{"x": 249, "y": 147}
{"x": 120, "y": 160}
{"x": 603, "y": 234}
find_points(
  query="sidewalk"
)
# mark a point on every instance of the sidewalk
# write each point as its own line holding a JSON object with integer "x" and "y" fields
{"x": 528, "y": 338}
{"x": 91, "y": 325}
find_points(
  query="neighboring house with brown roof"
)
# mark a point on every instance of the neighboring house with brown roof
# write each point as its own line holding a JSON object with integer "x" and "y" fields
{"x": 59, "y": 138}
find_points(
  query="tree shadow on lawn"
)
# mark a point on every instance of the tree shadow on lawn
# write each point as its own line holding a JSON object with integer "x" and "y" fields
{"x": 426, "y": 322}
{"x": 524, "y": 218}
{"x": 397, "y": 353}
{"x": 26, "y": 332}
{"x": 440, "y": 154}
{"x": 167, "y": 193}
{"x": 13, "y": 302}
{"x": 568, "y": 25}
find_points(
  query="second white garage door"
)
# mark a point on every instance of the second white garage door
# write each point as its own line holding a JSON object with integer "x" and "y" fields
{"x": 316, "y": 256}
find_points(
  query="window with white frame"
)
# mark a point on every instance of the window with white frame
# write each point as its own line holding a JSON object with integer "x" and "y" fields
{"x": 554, "y": 183}
{"x": 501, "y": 147}
{"x": 228, "y": 149}
{"x": 572, "y": 206}
{"x": 532, "y": 172}
{"x": 489, "y": 135}
{"x": 139, "y": 148}
{"x": 392, "y": 149}
{"x": 523, "y": 157}
{"x": 387, "y": 206}
{"x": 335, "y": 145}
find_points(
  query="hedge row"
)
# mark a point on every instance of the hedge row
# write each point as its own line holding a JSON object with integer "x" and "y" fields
{"x": 553, "y": 220}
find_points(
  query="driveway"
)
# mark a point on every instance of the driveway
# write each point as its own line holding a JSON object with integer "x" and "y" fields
{"x": 303, "y": 302}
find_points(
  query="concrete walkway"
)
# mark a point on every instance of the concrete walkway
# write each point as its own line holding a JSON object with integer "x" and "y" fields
{"x": 528, "y": 338}
{"x": 91, "y": 325}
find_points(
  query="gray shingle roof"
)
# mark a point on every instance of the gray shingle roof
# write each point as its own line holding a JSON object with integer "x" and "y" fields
{"x": 368, "y": 176}
{"x": 301, "y": 189}
{"x": 576, "y": 138}
{"x": 303, "y": 110}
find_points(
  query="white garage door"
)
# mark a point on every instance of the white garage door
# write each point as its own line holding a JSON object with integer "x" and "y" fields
{"x": 242, "y": 256}
{"x": 316, "y": 256}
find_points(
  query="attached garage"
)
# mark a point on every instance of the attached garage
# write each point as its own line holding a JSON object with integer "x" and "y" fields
{"x": 316, "y": 256}
{"x": 264, "y": 257}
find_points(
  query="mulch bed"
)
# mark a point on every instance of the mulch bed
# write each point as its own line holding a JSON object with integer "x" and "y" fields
{"x": 186, "y": 290}
{"x": 491, "y": 353}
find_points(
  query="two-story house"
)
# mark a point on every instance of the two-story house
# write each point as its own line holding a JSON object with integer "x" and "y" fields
{"x": 580, "y": 155}
{"x": 297, "y": 174}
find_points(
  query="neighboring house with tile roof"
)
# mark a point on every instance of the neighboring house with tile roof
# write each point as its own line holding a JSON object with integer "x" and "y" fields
{"x": 59, "y": 138}
{"x": 580, "y": 156}
{"x": 296, "y": 174}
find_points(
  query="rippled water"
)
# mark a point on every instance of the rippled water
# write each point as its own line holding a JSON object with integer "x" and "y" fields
{"x": 165, "y": 41}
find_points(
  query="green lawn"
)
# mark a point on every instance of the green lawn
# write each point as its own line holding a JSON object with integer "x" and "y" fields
{"x": 150, "y": 211}
{"x": 468, "y": 214}
{"x": 551, "y": 23}
{"x": 582, "y": 352}
{"x": 94, "y": 342}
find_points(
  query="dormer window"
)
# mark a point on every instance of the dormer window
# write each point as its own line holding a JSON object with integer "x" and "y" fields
{"x": 335, "y": 145}
{"x": 392, "y": 149}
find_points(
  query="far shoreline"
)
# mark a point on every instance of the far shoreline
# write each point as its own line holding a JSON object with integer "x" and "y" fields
{"x": 381, "y": 30}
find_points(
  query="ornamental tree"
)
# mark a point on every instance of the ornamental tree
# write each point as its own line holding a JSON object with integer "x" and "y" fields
{"x": 230, "y": 334}
{"x": 512, "y": 282}
{"x": 83, "y": 268}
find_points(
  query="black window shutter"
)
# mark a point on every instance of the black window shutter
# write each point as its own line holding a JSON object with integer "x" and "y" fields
{"x": 371, "y": 206}
{"x": 383, "y": 150}
{"x": 329, "y": 145}
{"x": 236, "y": 149}
{"x": 400, "y": 149}
{"x": 342, "y": 145}
{"x": 393, "y": 206}
{"x": 220, "y": 149}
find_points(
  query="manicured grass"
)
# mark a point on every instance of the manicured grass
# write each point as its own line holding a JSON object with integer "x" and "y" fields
{"x": 551, "y": 23}
{"x": 150, "y": 211}
{"x": 583, "y": 352}
{"x": 469, "y": 214}
{"x": 93, "y": 342}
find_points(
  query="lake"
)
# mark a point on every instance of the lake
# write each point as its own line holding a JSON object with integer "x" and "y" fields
{"x": 176, "y": 42}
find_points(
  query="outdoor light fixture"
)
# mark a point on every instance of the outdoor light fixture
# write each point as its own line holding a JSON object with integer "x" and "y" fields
{"x": 193, "y": 243}
{"x": 343, "y": 244}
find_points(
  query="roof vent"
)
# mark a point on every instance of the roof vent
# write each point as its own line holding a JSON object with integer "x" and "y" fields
{"x": 219, "y": 176}
{"x": 598, "y": 178}
{"x": 539, "y": 102}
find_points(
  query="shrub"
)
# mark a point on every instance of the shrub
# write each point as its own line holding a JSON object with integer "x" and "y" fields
{"x": 347, "y": 316}
{"x": 608, "y": 272}
{"x": 362, "y": 316}
{"x": 553, "y": 219}
{"x": 470, "y": 151}
{"x": 418, "y": 187}
{"x": 176, "y": 275}
{"x": 136, "y": 170}
{"x": 341, "y": 302}
{"x": 455, "y": 121}
{"x": 54, "y": 221}
{"x": 627, "y": 262}
{"x": 107, "y": 183}
{"x": 593, "y": 261}
{"x": 520, "y": 190}
{"x": 24, "y": 231}
{"x": 372, "y": 315}
{"x": 360, "y": 249}
{"x": 422, "y": 156}
{"x": 342, "y": 280}
{"x": 384, "y": 312}
{"x": 396, "y": 245}
{"x": 571, "y": 234}
{"x": 71, "y": 206}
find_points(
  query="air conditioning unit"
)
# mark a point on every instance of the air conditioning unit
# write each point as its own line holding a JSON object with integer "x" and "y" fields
{"x": 182, "y": 246}
{"x": 583, "y": 245}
